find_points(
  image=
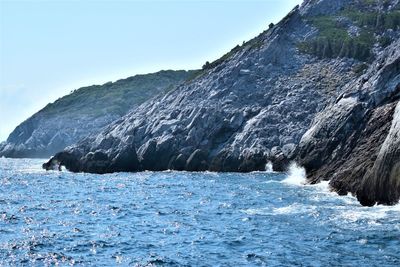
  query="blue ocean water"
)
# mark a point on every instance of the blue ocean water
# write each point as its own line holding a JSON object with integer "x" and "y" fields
{"x": 186, "y": 219}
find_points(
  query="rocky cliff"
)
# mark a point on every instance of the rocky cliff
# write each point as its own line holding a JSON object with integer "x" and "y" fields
{"x": 255, "y": 103}
{"x": 83, "y": 112}
{"x": 354, "y": 142}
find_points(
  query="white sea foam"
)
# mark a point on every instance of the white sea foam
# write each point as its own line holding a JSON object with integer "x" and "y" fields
{"x": 295, "y": 208}
{"x": 323, "y": 186}
{"x": 296, "y": 175}
{"x": 271, "y": 182}
{"x": 362, "y": 241}
{"x": 268, "y": 167}
{"x": 371, "y": 214}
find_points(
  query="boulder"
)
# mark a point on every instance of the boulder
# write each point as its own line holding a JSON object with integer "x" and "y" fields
{"x": 197, "y": 161}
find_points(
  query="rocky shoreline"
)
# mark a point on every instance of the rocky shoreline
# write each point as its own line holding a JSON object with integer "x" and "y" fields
{"x": 354, "y": 143}
{"x": 320, "y": 88}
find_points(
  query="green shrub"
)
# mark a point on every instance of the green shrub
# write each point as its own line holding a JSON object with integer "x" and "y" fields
{"x": 334, "y": 41}
{"x": 360, "y": 68}
{"x": 376, "y": 21}
{"x": 215, "y": 63}
{"x": 385, "y": 41}
{"x": 118, "y": 97}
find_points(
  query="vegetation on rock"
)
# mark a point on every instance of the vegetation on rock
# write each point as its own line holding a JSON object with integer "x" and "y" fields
{"x": 352, "y": 33}
{"x": 118, "y": 97}
{"x": 85, "y": 111}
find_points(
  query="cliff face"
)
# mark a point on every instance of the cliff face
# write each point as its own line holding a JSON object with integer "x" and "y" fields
{"x": 254, "y": 105}
{"x": 83, "y": 112}
{"x": 381, "y": 183}
{"x": 353, "y": 142}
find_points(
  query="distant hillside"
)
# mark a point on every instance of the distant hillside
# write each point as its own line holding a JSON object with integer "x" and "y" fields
{"x": 85, "y": 111}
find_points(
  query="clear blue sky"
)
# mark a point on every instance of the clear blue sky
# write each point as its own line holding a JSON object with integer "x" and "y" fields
{"x": 48, "y": 48}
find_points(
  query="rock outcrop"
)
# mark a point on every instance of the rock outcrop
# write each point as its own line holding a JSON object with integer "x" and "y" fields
{"x": 85, "y": 111}
{"x": 331, "y": 64}
{"x": 381, "y": 183}
{"x": 353, "y": 143}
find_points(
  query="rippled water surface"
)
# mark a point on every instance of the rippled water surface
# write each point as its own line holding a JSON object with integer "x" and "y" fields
{"x": 186, "y": 219}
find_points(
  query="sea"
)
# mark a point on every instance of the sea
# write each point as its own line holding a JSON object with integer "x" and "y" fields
{"x": 53, "y": 218}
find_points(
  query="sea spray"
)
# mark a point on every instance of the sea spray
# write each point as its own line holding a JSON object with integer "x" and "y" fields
{"x": 296, "y": 175}
{"x": 268, "y": 167}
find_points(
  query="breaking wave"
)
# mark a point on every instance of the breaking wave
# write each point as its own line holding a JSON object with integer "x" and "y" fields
{"x": 296, "y": 175}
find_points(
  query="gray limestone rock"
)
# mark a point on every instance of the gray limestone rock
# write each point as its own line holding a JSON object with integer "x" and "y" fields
{"x": 268, "y": 101}
{"x": 381, "y": 183}
{"x": 262, "y": 94}
{"x": 348, "y": 143}
{"x": 85, "y": 111}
